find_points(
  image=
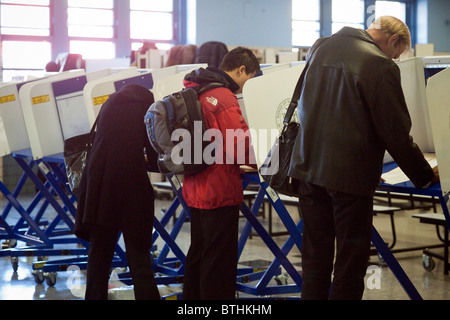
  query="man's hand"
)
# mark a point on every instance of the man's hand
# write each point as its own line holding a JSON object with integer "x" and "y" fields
{"x": 381, "y": 181}
{"x": 435, "y": 178}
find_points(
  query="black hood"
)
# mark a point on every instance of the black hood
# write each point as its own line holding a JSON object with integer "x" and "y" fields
{"x": 210, "y": 75}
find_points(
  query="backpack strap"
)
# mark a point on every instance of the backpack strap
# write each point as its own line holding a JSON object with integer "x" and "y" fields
{"x": 170, "y": 113}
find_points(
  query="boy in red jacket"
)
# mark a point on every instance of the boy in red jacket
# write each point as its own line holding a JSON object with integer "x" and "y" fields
{"x": 214, "y": 194}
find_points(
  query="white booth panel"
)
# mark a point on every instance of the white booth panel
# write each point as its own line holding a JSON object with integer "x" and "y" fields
{"x": 41, "y": 116}
{"x": 169, "y": 85}
{"x": 13, "y": 132}
{"x": 152, "y": 58}
{"x": 434, "y": 65}
{"x": 163, "y": 73}
{"x": 265, "y": 69}
{"x": 173, "y": 83}
{"x": 266, "y": 99}
{"x": 98, "y": 91}
{"x": 436, "y": 61}
{"x": 4, "y": 148}
{"x": 287, "y": 57}
{"x": 413, "y": 84}
{"x": 438, "y": 95}
{"x": 101, "y": 64}
{"x": 69, "y": 97}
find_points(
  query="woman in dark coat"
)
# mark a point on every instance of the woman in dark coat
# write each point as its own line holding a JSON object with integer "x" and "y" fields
{"x": 116, "y": 194}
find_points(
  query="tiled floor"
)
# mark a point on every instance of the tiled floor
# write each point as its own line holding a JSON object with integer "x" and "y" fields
{"x": 381, "y": 284}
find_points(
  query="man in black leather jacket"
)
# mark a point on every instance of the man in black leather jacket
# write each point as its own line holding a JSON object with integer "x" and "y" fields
{"x": 352, "y": 109}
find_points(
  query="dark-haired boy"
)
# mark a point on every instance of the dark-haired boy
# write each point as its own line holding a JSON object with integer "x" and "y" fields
{"x": 214, "y": 194}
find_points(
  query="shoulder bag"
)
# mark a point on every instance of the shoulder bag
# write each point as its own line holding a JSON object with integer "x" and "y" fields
{"x": 76, "y": 150}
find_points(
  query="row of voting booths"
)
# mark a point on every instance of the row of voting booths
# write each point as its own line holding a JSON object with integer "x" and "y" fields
{"x": 37, "y": 116}
{"x": 425, "y": 82}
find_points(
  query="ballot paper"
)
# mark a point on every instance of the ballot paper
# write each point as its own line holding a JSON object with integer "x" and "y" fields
{"x": 398, "y": 176}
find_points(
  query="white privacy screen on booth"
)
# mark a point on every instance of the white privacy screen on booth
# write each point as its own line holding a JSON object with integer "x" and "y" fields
{"x": 438, "y": 94}
{"x": 266, "y": 99}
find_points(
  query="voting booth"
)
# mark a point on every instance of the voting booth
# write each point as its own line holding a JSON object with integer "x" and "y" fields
{"x": 13, "y": 133}
{"x": 97, "y": 92}
{"x": 53, "y": 110}
{"x": 62, "y": 100}
{"x": 415, "y": 73}
{"x": 413, "y": 84}
{"x": 423, "y": 82}
{"x": 40, "y": 115}
{"x": 173, "y": 83}
{"x": 151, "y": 58}
{"x": 438, "y": 95}
{"x": 266, "y": 100}
{"x": 436, "y": 71}
{"x": 272, "y": 104}
{"x": 56, "y": 108}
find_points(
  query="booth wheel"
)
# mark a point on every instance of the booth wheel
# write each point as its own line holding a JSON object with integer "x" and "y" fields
{"x": 10, "y": 243}
{"x": 281, "y": 280}
{"x": 50, "y": 278}
{"x": 38, "y": 276}
{"x": 428, "y": 263}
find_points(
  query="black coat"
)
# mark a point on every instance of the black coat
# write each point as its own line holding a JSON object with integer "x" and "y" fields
{"x": 351, "y": 110}
{"x": 115, "y": 189}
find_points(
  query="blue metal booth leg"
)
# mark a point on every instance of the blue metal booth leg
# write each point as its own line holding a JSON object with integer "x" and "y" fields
{"x": 394, "y": 266}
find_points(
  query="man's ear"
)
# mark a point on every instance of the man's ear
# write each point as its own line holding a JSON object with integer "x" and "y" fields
{"x": 394, "y": 40}
{"x": 242, "y": 69}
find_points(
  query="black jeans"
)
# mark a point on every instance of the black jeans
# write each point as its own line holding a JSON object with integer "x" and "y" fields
{"x": 211, "y": 262}
{"x": 102, "y": 246}
{"x": 334, "y": 217}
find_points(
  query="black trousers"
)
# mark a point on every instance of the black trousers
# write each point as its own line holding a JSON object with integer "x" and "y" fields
{"x": 330, "y": 218}
{"x": 211, "y": 262}
{"x": 102, "y": 245}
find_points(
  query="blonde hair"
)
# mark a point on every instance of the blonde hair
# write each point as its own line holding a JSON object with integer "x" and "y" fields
{"x": 391, "y": 26}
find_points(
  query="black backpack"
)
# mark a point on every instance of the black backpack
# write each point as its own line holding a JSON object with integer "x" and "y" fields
{"x": 180, "y": 110}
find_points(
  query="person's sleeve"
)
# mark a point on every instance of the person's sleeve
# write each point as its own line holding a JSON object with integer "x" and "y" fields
{"x": 236, "y": 136}
{"x": 393, "y": 125}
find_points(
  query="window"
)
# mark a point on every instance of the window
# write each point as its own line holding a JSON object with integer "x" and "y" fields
{"x": 25, "y": 30}
{"x": 25, "y": 17}
{"x": 391, "y": 8}
{"x": 151, "y": 20}
{"x": 315, "y": 18}
{"x": 305, "y": 22}
{"x": 348, "y": 13}
{"x": 24, "y": 58}
{"x": 93, "y": 49}
{"x": 91, "y": 28}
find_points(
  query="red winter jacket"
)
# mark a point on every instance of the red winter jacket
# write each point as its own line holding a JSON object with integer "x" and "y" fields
{"x": 219, "y": 185}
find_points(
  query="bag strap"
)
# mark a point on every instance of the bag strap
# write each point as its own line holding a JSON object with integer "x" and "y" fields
{"x": 92, "y": 132}
{"x": 296, "y": 96}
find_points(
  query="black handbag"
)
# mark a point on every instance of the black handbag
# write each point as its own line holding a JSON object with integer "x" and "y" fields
{"x": 76, "y": 150}
{"x": 275, "y": 168}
